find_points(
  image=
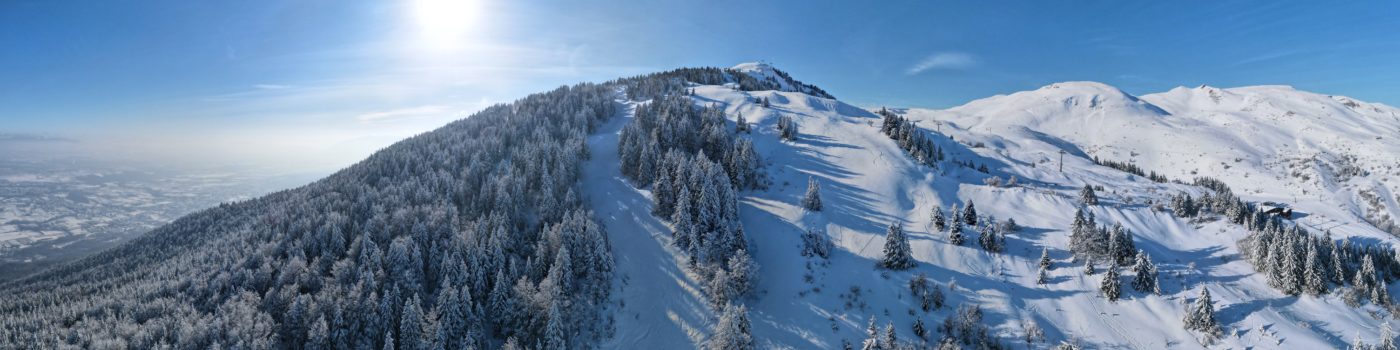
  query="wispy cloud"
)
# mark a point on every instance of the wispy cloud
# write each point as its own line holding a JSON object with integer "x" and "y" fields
{"x": 943, "y": 60}
{"x": 271, "y": 86}
{"x": 405, "y": 113}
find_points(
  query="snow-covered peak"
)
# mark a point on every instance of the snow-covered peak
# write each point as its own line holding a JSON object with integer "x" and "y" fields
{"x": 765, "y": 72}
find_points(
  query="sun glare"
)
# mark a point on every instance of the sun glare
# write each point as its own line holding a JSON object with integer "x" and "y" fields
{"x": 445, "y": 24}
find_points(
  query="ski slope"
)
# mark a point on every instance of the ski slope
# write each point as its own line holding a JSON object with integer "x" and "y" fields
{"x": 868, "y": 183}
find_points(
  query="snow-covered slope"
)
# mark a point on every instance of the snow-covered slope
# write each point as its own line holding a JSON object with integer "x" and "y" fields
{"x": 1328, "y": 156}
{"x": 869, "y": 183}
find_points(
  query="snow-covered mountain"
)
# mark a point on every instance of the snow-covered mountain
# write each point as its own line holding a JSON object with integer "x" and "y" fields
{"x": 717, "y": 208}
{"x": 1270, "y": 143}
{"x": 1329, "y": 156}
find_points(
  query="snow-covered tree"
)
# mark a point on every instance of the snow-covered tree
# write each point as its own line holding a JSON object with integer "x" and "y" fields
{"x": 872, "y": 337}
{"x": 1041, "y": 277}
{"x": 813, "y": 199}
{"x": 1145, "y": 274}
{"x": 1315, "y": 273}
{"x": 940, "y": 223}
{"x": 897, "y": 252}
{"x": 970, "y": 214}
{"x": 1087, "y": 196}
{"x": 955, "y": 233}
{"x": 1200, "y": 315}
{"x": 1111, "y": 287}
{"x": 1045, "y": 262}
{"x": 732, "y": 332}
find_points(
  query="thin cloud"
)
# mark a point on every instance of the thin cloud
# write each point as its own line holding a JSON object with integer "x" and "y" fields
{"x": 404, "y": 113}
{"x": 271, "y": 86}
{"x": 943, "y": 60}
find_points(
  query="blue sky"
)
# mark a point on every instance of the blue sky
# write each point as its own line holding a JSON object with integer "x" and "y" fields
{"x": 359, "y": 74}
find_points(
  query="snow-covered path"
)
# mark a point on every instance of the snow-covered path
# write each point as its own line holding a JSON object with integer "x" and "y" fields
{"x": 659, "y": 307}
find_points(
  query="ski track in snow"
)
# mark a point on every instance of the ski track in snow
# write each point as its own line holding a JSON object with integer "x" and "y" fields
{"x": 661, "y": 306}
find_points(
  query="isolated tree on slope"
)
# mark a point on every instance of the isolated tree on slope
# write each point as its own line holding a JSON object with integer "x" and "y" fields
{"x": 1087, "y": 196}
{"x": 955, "y": 233}
{"x": 1145, "y": 274}
{"x": 1041, "y": 277}
{"x": 1200, "y": 316}
{"x": 813, "y": 199}
{"x": 940, "y": 223}
{"x": 897, "y": 252}
{"x": 1045, "y": 262}
{"x": 733, "y": 331}
{"x": 970, "y": 214}
{"x": 1111, "y": 287}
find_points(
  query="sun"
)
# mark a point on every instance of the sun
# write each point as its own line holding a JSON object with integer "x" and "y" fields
{"x": 445, "y": 24}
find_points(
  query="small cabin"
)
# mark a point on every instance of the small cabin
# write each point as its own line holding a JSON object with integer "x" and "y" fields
{"x": 1285, "y": 212}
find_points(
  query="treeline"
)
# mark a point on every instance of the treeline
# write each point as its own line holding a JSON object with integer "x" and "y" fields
{"x": 912, "y": 140}
{"x": 1294, "y": 260}
{"x": 469, "y": 236}
{"x": 1131, "y": 169}
{"x": 676, "y": 82}
{"x": 695, "y": 178}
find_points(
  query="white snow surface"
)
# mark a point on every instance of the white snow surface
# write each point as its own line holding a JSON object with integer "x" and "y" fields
{"x": 868, "y": 183}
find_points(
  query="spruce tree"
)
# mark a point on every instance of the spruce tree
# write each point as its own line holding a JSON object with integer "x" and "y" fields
{"x": 955, "y": 233}
{"x": 1045, "y": 262}
{"x": 970, "y": 214}
{"x": 872, "y": 337}
{"x": 897, "y": 252}
{"x": 733, "y": 330}
{"x": 1314, "y": 279}
{"x": 1087, "y": 196}
{"x": 813, "y": 199}
{"x": 940, "y": 223}
{"x": 1111, "y": 287}
{"x": 1200, "y": 315}
{"x": 1145, "y": 274}
{"x": 1041, "y": 277}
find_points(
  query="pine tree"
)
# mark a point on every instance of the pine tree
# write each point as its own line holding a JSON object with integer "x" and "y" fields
{"x": 1087, "y": 196}
{"x": 1387, "y": 337}
{"x": 1041, "y": 277}
{"x": 1045, "y": 262}
{"x": 889, "y": 341}
{"x": 970, "y": 214}
{"x": 1200, "y": 316}
{"x": 813, "y": 199}
{"x": 733, "y": 331}
{"x": 955, "y": 233}
{"x": 1314, "y": 277}
{"x": 1089, "y": 267}
{"x": 939, "y": 222}
{"x": 1111, "y": 287}
{"x": 872, "y": 337}
{"x": 411, "y": 326}
{"x": 897, "y": 252}
{"x": 554, "y": 338}
{"x": 740, "y": 125}
{"x": 1145, "y": 274}
{"x": 663, "y": 200}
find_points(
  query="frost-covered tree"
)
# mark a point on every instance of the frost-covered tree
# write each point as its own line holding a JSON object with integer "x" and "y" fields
{"x": 813, "y": 199}
{"x": 1041, "y": 277}
{"x": 1120, "y": 243}
{"x": 991, "y": 239}
{"x": 970, "y": 214}
{"x": 940, "y": 223}
{"x": 1315, "y": 273}
{"x": 787, "y": 128}
{"x": 897, "y": 254}
{"x": 740, "y": 124}
{"x": 1045, "y": 262}
{"x": 1387, "y": 337}
{"x": 1089, "y": 267}
{"x": 732, "y": 332}
{"x": 955, "y": 233}
{"x": 1111, "y": 287}
{"x": 1145, "y": 274}
{"x": 1087, "y": 196}
{"x": 1200, "y": 315}
{"x": 872, "y": 337}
